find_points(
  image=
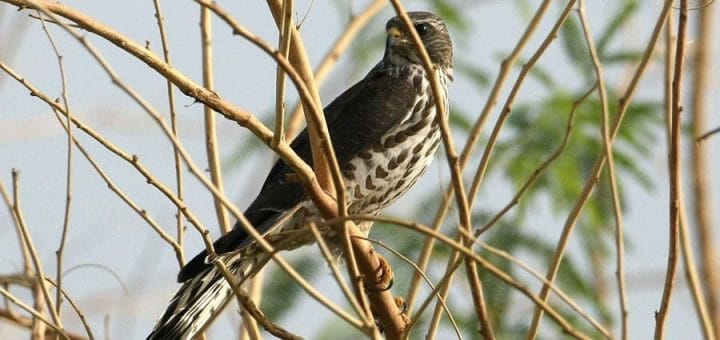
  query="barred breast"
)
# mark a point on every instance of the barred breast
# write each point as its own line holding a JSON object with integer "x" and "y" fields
{"x": 385, "y": 171}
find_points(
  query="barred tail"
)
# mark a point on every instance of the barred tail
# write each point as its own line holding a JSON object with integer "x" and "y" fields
{"x": 198, "y": 301}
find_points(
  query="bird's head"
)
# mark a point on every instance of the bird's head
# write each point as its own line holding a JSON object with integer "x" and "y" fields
{"x": 401, "y": 50}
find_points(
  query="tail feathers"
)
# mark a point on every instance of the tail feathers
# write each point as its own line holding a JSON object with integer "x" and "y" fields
{"x": 197, "y": 303}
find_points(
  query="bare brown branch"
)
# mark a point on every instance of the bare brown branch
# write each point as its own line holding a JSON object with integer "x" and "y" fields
{"x": 212, "y": 148}
{"x": 675, "y": 174}
{"x": 179, "y": 226}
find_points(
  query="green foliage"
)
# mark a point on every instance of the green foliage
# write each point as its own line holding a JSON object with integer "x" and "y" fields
{"x": 536, "y": 129}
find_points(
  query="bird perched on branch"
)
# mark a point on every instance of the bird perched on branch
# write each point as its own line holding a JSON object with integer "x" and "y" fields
{"x": 384, "y": 133}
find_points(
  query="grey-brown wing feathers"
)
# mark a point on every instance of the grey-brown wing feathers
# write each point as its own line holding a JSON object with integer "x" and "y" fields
{"x": 356, "y": 119}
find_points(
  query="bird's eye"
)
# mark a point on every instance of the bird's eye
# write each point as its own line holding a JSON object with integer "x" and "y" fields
{"x": 422, "y": 29}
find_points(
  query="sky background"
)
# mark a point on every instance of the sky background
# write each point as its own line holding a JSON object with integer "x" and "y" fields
{"x": 106, "y": 234}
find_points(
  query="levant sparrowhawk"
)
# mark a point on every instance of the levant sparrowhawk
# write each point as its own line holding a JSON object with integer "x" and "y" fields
{"x": 384, "y": 133}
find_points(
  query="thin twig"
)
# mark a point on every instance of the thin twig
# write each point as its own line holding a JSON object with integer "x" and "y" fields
{"x": 365, "y": 265}
{"x": 18, "y": 320}
{"x": 285, "y": 37}
{"x": 596, "y": 171}
{"x": 123, "y": 196}
{"x": 330, "y": 260}
{"x": 524, "y": 266}
{"x": 568, "y": 300}
{"x": 485, "y": 264}
{"x": 427, "y": 281}
{"x": 212, "y": 148}
{"x": 37, "y": 328}
{"x": 208, "y": 185}
{"x": 708, "y": 134}
{"x": 250, "y": 325}
{"x": 68, "y": 176}
{"x": 36, "y": 314}
{"x": 539, "y": 170}
{"x": 675, "y": 174}
{"x": 668, "y": 63}
{"x": 325, "y": 162}
{"x": 455, "y": 172}
{"x": 26, "y": 267}
{"x": 434, "y": 294}
{"x": 607, "y": 147}
{"x": 244, "y": 118}
{"x": 77, "y": 310}
{"x": 339, "y": 46}
{"x": 180, "y": 226}
{"x": 249, "y": 328}
{"x": 37, "y": 265}
{"x": 249, "y": 305}
{"x": 506, "y": 66}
